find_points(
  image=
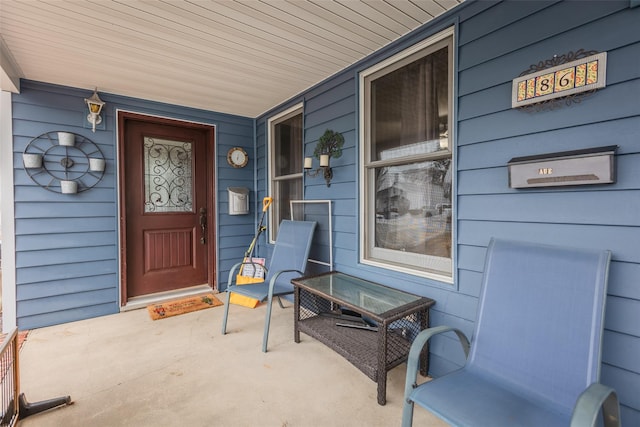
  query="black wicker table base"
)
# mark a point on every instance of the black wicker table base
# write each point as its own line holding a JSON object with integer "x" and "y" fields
{"x": 370, "y": 325}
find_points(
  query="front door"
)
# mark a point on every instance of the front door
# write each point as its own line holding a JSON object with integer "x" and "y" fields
{"x": 166, "y": 205}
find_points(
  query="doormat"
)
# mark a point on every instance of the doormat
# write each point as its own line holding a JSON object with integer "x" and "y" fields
{"x": 181, "y": 306}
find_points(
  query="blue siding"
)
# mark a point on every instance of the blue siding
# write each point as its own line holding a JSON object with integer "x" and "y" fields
{"x": 490, "y": 133}
{"x": 66, "y": 245}
{"x": 496, "y": 42}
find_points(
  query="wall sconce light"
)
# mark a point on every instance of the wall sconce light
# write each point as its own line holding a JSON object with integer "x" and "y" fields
{"x": 95, "y": 106}
{"x": 329, "y": 145}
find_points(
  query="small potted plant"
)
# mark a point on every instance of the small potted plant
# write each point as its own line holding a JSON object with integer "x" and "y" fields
{"x": 329, "y": 144}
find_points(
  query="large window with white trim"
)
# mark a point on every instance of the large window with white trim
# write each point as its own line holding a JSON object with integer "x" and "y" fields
{"x": 286, "y": 155}
{"x": 406, "y": 160}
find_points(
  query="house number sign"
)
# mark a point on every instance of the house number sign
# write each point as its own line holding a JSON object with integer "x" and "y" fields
{"x": 581, "y": 75}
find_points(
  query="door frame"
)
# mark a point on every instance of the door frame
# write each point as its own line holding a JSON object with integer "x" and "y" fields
{"x": 122, "y": 116}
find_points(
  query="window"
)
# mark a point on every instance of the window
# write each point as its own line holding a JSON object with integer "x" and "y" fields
{"x": 286, "y": 156}
{"x": 406, "y": 160}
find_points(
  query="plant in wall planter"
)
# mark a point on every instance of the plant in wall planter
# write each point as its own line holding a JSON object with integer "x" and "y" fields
{"x": 330, "y": 143}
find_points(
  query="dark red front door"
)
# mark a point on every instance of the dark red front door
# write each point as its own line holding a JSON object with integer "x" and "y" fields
{"x": 166, "y": 206}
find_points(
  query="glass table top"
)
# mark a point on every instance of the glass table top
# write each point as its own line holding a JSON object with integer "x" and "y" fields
{"x": 369, "y": 296}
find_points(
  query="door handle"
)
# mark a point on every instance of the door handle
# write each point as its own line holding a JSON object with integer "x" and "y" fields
{"x": 203, "y": 225}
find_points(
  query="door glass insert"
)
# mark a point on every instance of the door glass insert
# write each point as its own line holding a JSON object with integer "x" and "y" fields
{"x": 168, "y": 178}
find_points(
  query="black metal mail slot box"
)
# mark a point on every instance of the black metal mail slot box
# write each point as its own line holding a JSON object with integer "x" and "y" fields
{"x": 579, "y": 167}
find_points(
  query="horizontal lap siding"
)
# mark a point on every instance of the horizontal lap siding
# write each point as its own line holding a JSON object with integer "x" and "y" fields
{"x": 234, "y": 232}
{"x": 490, "y": 133}
{"x": 66, "y": 267}
{"x": 262, "y": 174}
{"x": 328, "y": 106}
{"x": 332, "y": 106}
{"x": 67, "y": 245}
{"x": 496, "y": 42}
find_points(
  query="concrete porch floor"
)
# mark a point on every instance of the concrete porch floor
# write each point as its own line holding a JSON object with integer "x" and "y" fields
{"x": 127, "y": 370}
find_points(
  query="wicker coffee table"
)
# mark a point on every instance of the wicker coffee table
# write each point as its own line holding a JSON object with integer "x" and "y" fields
{"x": 369, "y": 324}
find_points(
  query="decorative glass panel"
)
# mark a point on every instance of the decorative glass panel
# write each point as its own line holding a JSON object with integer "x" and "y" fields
{"x": 168, "y": 175}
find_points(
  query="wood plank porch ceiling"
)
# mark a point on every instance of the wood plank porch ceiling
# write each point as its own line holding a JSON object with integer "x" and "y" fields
{"x": 234, "y": 56}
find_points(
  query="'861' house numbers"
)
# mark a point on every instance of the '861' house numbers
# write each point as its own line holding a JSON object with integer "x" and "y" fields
{"x": 585, "y": 74}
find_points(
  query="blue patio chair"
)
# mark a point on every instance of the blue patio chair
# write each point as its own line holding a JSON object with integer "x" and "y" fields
{"x": 535, "y": 356}
{"x": 288, "y": 260}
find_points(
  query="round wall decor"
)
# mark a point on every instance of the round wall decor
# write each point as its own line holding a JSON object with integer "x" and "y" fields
{"x": 64, "y": 162}
{"x": 237, "y": 157}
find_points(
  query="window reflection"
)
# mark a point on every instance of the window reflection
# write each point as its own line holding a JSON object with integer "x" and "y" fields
{"x": 413, "y": 208}
{"x": 407, "y": 168}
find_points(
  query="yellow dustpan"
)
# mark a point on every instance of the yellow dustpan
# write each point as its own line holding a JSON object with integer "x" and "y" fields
{"x": 254, "y": 274}
{"x": 242, "y": 279}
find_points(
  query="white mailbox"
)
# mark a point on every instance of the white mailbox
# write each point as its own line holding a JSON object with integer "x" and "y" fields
{"x": 238, "y": 200}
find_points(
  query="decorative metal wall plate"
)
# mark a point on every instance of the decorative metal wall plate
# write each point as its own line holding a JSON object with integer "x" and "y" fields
{"x": 72, "y": 168}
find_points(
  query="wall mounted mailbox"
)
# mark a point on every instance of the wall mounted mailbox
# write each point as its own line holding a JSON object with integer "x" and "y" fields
{"x": 579, "y": 167}
{"x": 238, "y": 200}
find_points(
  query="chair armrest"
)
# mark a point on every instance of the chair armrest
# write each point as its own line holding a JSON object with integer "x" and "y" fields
{"x": 413, "y": 360}
{"x": 232, "y": 273}
{"x": 595, "y": 397}
{"x": 272, "y": 282}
